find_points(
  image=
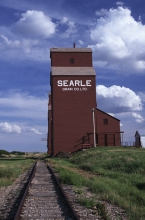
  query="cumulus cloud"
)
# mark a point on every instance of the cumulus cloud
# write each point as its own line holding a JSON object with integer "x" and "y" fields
{"x": 9, "y": 43}
{"x": 23, "y": 49}
{"x": 140, "y": 17}
{"x": 9, "y": 128}
{"x": 139, "y": 118}
{"x": 112, "y": 114}
{"x": 22, "y": 105}
{"x": 34, "y": 24}
{"x": 80, "y": 42}
{"x": 142, "y": 95}
{"x": 118, "y": 41}
{"x": 35, "y": 131}
{"x": 24, "y": 44}
{"x": 120, "y": 3}
{"x": 71, "y": 27}
{"x": 118, "y": 99}
{"x": 64, "y": 20}
{"x": 101, "y": 12}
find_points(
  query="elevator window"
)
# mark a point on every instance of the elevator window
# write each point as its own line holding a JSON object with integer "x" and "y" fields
{"x": 72, "y": 60}
{"x": 105, "y": 121}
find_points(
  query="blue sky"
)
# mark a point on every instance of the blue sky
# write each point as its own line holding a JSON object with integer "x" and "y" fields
{"x": 115, "y": 30}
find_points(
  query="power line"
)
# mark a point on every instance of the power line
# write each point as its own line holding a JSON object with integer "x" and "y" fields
{"x": 136, "y": 129}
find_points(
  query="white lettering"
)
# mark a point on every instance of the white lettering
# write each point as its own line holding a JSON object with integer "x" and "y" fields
{"x": 88, "y": 82}
{"x": 71, "y": 83}
{"x": 59, "y": 82}
{"x": 65, "y": 82}
{"x": 81, "y": 83}
{"x": 83, "y": 89}
{"x": 67, "y": 89}
{"x": 77, "y": 82}
{"x": 70, "y": 89}
{"x": 74, "y": 83}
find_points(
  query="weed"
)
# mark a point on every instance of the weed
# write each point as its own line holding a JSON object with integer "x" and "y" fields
{"x": 70, "y": 177}
{"x": 10, "y": 170}
{"x": 102, "y": 210}
{"x": 88, "y": 203}
{"x": 118, "y": 176}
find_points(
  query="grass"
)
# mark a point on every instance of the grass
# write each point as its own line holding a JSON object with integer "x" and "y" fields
{"x": 91, "y": 203}
{"x": 11, "y": 169}
{"x": 116, "y": 175}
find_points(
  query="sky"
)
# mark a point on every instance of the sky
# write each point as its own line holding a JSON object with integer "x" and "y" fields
{"x": 115, "y": 30}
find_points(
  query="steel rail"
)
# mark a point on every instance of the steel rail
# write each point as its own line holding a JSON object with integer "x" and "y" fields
{"x": 18, "y": 213}
{"x": 64, "y": 194}
{"x": 17, "y": 216}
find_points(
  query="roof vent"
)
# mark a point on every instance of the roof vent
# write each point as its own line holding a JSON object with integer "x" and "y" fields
{"x": 74, "y": 45}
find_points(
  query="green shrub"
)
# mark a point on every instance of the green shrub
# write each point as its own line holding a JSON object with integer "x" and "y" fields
{"x": 70, "y": 177}
{"x": 4, "y": 152}
{"x": 6, "y": 173}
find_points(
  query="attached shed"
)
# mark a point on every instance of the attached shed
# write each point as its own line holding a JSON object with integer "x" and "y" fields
{"x": 107, "y": 129}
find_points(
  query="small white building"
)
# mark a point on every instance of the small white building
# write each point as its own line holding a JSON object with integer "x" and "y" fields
{"x": 139, "y": 140}
{"x": 142, "y": 140}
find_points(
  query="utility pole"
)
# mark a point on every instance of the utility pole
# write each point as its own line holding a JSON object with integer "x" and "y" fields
{"x": 94, "y": 130}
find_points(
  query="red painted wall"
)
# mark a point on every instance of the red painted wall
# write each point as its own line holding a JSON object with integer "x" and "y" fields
{"x": 72, "y": 115}
{"x": 112, "y": 129}
{"x": 63, "y": 59}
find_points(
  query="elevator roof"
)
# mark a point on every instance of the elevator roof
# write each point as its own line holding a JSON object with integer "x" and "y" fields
{"x": 76, "y": 71}
{"x": 55, "y": 49}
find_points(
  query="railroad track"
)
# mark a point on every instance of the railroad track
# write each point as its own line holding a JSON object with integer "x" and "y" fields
{"x": 44, "y": 198}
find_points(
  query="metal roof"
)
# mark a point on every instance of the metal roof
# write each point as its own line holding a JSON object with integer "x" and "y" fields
{"x": 107, "y": 114}
{"x": 84, "y": 71}
{"x": 55, "y": 49}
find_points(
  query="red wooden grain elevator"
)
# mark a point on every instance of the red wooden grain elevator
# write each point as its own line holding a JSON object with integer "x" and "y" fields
{"x": 72, "y": 97}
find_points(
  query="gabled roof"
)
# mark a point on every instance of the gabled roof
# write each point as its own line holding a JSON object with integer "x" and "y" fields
{"x": 74, "y": 71}
{"x": 55, "y": 49}
{"x": 108, "y": 114}
{"x": 141, "y": 133}
{"x": 137, "y": 134}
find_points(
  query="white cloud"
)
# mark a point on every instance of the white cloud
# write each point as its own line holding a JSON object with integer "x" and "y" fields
{"x": 23, "y": 49}
{"x": 71, "y": 27}
{"x": 121, "y": 124}
{"x": 139, "y": 17}
{"x": 101, "y": 12}
{"x": 10, "y": 43}
{"x": 23, "y": 44}
{"x": 120, "y": 3}
{"x": 139, "y": 118}
{"x": 142, "y": 95}
{"x": 9, "y": 128}
{"x": 64, "y": 20}
{"x": 34, "y": 24}
{"x": 35, "y": 131}
{"x": 112, "y": 114}
{"x": 80, "y": 42}
{"x": 119, "y": 41}
{"x": 118, "y": 99}
{"x": 20, "y": 105}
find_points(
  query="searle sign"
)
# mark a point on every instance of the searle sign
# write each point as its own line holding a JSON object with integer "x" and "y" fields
{"x": 74, "y": 85}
